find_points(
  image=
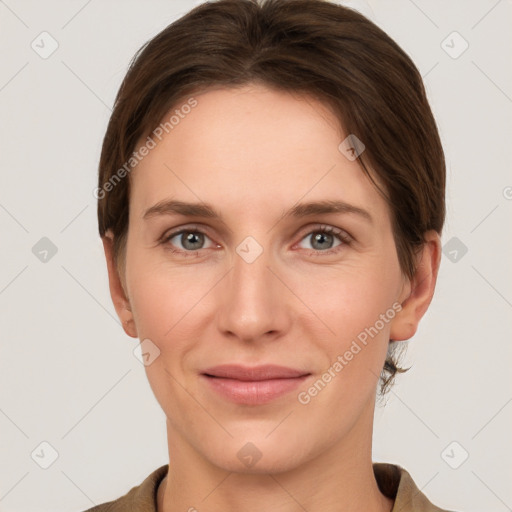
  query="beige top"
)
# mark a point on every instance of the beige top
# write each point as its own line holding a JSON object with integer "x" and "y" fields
{"x": 394, "y": 482}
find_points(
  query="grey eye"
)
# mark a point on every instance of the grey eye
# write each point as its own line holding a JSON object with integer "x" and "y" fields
{"x": 321, "y": 240}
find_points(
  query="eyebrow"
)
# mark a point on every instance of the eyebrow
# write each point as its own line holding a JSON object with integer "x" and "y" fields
{"x": 205, "y": 210}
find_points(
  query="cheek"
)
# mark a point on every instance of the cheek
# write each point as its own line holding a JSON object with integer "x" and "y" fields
{"x": 170, "y": 304}
{"x": 161, "y": 302}
{"x": 164, "y": 304}
{"x": 348, "y": 300}
{"x": 356, "y": 306}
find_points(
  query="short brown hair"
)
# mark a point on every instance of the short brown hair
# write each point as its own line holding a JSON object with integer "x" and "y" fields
{"x": 315, "y": 47}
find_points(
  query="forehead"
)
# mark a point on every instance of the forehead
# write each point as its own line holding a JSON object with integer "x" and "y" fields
{"x": 251, "y": 145}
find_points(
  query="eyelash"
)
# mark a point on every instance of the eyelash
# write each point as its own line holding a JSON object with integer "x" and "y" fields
{"x": 342, "y": 236}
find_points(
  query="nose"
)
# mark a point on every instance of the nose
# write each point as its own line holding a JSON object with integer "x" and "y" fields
{"x": 254, "y": 304}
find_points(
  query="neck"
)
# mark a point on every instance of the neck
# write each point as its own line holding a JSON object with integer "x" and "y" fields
{"x": 338, "y": 479}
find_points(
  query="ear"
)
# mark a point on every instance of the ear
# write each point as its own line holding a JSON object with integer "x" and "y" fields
{"x": 419, "y": 290}
{"x": 117, "y": 292}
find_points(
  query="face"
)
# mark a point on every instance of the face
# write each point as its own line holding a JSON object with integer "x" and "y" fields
{"x": 267, "y": 280}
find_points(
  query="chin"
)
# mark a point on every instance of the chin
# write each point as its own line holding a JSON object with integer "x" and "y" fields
{"x": 258, "y": 454}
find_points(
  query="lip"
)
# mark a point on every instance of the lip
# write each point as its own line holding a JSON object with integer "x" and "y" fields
{"x": 254, "y": 373}
{"x": 253, "y": 385}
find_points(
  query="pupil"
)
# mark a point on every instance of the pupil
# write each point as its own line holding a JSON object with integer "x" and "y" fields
{"x": 321, "y": 237}
{"x": 189, "y": 239}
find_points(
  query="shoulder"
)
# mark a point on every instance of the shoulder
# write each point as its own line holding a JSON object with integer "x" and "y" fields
{"x": 141, "y": 498}
{"x": 396, "y": 482}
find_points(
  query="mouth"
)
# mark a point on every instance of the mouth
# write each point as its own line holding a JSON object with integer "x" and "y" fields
{"x": 254, "y": 373}
{"x": 253, "y": 385}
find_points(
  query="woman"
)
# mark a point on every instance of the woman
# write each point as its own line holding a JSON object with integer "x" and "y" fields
{"x": 271, "y": 200}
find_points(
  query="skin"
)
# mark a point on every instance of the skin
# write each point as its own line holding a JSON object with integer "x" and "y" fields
{"x": 253, "y": 153}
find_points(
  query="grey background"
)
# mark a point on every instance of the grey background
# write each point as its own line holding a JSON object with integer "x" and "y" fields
{"x": 68, "y": 374}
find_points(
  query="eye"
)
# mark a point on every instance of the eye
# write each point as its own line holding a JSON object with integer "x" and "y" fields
{"x": 323, "y": 238}
{"x": 187, "y": 241}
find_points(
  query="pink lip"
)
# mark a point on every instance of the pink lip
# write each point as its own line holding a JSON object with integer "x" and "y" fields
{"x": 253, "y": 385}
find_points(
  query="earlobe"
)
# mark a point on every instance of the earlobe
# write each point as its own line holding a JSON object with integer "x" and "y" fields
{"x": 117, "y": 292}
{"x": 422, "y": 286}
